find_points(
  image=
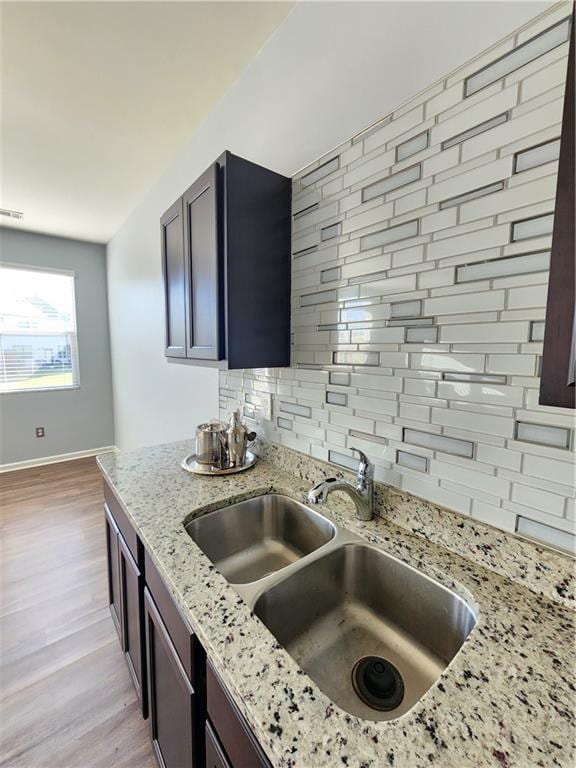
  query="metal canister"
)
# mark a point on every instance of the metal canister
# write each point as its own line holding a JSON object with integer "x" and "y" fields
{"x": 237, "y": 439}
{"x": 211, "y": 445}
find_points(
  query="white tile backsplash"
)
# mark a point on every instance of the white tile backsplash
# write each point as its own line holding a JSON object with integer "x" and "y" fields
{"x": 465, "y": 182}
{"x": 319, "y": 172}
{"x": 474, "y": 240}
{"x": 481, "y": 393}
{"x": 493, "y": 515}
{"x": 534, "y": 227}
{"x": 557, "y": 437}
{"x": 391, "y": 234}
{"x": 544, "y": 80}
{"x": 480, "y": 332}
{"x": 477, "y": 115}
{"x": 502, "y": 267}
{"x": 519, "y": 196}
{"x": 412, "y": 461}
{"x": 409, "y": 291}
{"x": 413, "y": 145}
{"x": 473, "y": 422}
{"x": 546, "y": 502}
{"x": 394, "y": 128}
{"x": 523, "y": 54}
{"x": 549, "y": 469}
{"x": 391, "y": 182}
{"x": 556, "y": 538}
{"x": 537, "y": 156}
{"x": 514, "y": 130}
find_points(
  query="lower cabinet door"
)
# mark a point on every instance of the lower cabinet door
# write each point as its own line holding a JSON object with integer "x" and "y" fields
{"x": 215, "y": 757}
{"x": 237, "y": 740}
{"x": 170, "y": 695}
{"x": 114, "y": 591}
{"x": 131, "y": 591}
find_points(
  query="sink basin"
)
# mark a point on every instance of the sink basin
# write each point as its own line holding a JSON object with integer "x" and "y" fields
{"x": 371, "y": 631}
{"x": 257, "y": 537}
{"x": 354, "y": 602}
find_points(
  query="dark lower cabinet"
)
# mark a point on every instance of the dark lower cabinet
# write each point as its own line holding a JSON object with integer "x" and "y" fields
{"x": 113, "y": 562}
{"x": 171, "y": 695}
{"x": 131, "y": 592}
{"x": 194, "y": 723}
{"x": 125, "y": 595}
{"x": 215, "y": 757}
{"x": 237, "y": 742}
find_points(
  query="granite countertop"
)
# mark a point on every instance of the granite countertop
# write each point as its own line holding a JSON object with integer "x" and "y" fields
{"x": 506, "y": 700}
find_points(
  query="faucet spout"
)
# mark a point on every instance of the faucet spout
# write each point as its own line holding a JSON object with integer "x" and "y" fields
{"x": 362, "y": 494}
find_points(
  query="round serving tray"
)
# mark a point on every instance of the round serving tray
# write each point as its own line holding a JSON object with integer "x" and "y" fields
{"x": 191, "y": 465}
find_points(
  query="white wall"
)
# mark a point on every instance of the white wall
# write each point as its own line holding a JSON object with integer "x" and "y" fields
{"x": 329, "y": 70}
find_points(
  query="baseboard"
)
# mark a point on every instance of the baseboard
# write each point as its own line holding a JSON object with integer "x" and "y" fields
{"x": 56, "y": 459}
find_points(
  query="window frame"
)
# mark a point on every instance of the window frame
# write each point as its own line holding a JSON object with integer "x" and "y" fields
{"x": 74, "y": 350}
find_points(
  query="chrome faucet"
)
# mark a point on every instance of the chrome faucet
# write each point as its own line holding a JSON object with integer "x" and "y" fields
{"x": 362, "y": 494}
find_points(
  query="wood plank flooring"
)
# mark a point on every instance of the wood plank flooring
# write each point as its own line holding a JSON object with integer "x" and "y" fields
{"x": 66, "y": 698}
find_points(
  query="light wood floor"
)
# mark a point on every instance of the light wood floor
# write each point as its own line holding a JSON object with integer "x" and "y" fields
{"x": 66, "y": 698}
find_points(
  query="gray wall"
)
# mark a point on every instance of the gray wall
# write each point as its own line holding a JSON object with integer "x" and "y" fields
{"x": 76, "y": 419}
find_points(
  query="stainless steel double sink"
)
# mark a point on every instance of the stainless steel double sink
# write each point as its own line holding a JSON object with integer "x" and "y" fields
{"x": 371, "y": 631}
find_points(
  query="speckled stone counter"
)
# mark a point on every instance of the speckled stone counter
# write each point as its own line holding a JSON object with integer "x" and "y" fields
{"x": 506, "y": 700}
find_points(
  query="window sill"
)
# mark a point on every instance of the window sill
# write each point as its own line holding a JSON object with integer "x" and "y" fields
{"x": 40, "y": 389}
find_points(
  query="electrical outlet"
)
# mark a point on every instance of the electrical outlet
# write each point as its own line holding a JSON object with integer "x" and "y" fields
{"x": 266, "y": 406}
{"x": 40, "y": 432}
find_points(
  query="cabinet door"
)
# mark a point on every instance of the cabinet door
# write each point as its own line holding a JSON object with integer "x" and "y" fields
{"x": 233, "y": 733}
{"x": 171, "y": 696}
{"x": 175, "y": 280}
{"x": 203, "y": 266}
{"x": 558, "y": 376}
{"x": 215, "y": 757}
{"x": 113, "y": 562}
{"x": 132, "y": 586}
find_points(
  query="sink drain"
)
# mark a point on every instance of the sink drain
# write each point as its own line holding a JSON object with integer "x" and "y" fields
{"x": 378, "y": 683}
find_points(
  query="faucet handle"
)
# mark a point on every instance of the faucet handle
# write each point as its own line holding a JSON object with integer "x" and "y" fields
{"x": 365, "y": 468}
{"x": 318, "y": 493}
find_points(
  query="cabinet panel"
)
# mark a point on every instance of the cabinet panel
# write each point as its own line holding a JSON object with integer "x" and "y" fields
{"x": 171, "y": 696}
{"x": 558, "y": 377}
{"x": 174, "y": 269}
{"x": 121, "y": 522}
{"x": 114, "y": 592}
{"x": 258, "y": 265}
{"x": 234, "y": 272}
{"x": 203, "y": 265}
{"x": 235, "y": 736}
{"x": 180, "y": 634}
{"x": 132, "y": 586}
{"x": 215, "y": 757}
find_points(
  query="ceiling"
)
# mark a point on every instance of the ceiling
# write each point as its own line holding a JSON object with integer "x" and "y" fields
{"x": 98, "y": 97}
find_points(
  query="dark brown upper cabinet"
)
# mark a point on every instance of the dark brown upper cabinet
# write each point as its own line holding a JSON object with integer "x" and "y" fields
{"x": 173, "y": 268}
{"x": 226, "y": 266}
{"x": 557, "y": 381}
{"x": 202, "y": 261}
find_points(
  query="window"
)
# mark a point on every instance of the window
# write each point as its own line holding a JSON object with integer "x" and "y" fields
{"x": 38, "y": 348}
